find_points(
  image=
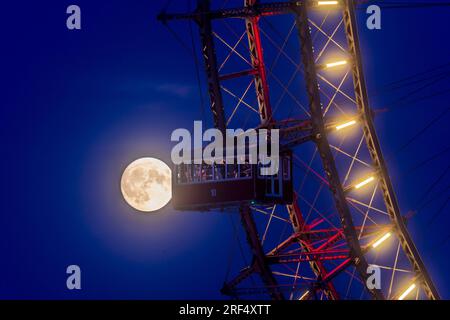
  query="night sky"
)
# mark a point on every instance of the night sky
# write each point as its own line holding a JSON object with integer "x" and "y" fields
{"x": 78, "y": 106}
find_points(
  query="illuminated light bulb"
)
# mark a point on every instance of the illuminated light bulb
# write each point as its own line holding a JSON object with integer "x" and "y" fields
{"x": 381, "y": 240}
{"x": 335, "y": 64}
{"x": 363, "y": 183}
{"x": 408, "y": 291}
{"x": 326, "y": 3}
{"x": 304, "y": 295}
{"x": 345, "y": 125}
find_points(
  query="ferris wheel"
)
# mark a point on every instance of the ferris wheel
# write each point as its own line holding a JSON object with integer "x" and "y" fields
{"x": 331, "y": 220}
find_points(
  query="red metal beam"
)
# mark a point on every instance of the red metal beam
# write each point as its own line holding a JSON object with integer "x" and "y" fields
{"x": 256, "y": 54}
{"x": 317, "y": 266}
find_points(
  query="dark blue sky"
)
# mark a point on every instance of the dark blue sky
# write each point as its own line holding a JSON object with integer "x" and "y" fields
{"x": 78, "y": 106}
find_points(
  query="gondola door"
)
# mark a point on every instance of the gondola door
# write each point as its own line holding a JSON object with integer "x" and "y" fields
{"x": 274, "y": 186}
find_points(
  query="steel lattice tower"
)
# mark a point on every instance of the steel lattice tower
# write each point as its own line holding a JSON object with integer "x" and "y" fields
{"x": 346, "y": 215}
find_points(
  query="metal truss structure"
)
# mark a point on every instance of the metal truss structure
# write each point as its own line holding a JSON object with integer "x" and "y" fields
{"x": 303, "y": 60}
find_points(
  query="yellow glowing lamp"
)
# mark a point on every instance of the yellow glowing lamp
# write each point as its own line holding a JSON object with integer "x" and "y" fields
{"x": 408, "y": 291}
{"x": 335, "y": 64}
{"x": 327, "y": 3}
{"x": 364, "y": 182}
{"x": 304, "y": 295}
{"x": 381, "y": 240}
{"x": 345, "y": 125}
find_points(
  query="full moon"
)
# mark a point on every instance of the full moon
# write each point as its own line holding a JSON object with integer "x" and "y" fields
{"x": 146, "y": 184}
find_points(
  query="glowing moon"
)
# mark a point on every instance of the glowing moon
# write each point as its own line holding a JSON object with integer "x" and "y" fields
{"x": 146, "y": 184}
